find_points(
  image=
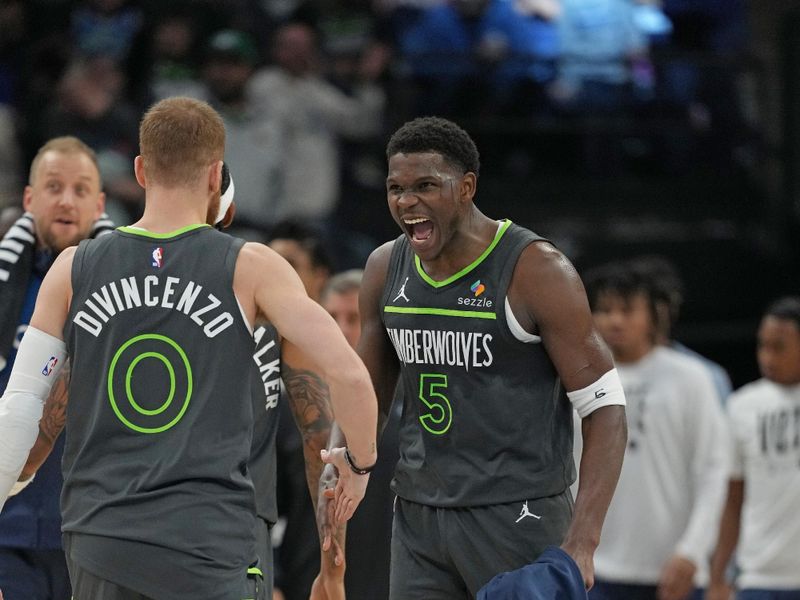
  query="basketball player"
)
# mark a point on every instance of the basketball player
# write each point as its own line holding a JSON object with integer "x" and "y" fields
{"x": 760, "y": 519}
{"x": 155, "y": 318}
{"x": 486, "y": 325}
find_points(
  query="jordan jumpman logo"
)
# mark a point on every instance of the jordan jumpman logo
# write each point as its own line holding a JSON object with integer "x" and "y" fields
{"x": 526, "y": 513}
{"x": 402, "y": 292}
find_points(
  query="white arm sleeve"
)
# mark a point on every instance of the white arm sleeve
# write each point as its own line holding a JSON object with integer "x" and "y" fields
{"x": 606, "y": 391}
{"x": 38, "y": 362}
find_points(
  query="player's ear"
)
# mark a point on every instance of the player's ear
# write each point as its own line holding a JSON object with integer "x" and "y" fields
{"x": 138, "y": 170}
{"x": 468, "y": 186}
{"x": 215, "y": 176}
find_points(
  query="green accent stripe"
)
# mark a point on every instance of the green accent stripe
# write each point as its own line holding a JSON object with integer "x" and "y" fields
{"x": 437, "y": 284}
{"x": 255, "y": 571}
{"x": 161, "y": 236}
{"x": 446, "y": 312}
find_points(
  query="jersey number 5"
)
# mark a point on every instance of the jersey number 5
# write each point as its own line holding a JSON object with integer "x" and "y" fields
{"x": 439, "y": 414}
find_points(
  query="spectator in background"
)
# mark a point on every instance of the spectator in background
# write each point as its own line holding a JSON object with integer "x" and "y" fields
{"x": 667, "y": 292}
{"x": 254, "y": 140}
{"x": 63, "y": 202}
{"x": 367, "y": 574}
{"x": 700, "y": 76}
{"x": 13, "y": 34}
{"x": 662, "y": 522}
{"x": 173, "y": 68}
{"x": 106, "y": 28}
{"x": 10, "y": 156}
{"x": 297, "y": 556}
{"x": 603, "y": 69}
{"x": 760, "y": 519}
{"x": 469, "y": 55}
{"x": 355, "y": 43}
{"x": 351, "y": 34}
{"x": 340, "y": 298}
{"x": 303, "y": 247}
{"x": 602, "y": 50}
{"x": 91, "y": 105}
{"x": 314, "y": 116}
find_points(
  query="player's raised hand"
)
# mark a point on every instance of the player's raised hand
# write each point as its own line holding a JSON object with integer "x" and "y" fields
{"x": 350, "y": 488}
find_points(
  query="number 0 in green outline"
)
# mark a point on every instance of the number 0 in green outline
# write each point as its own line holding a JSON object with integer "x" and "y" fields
{"x": 112, "y": 399}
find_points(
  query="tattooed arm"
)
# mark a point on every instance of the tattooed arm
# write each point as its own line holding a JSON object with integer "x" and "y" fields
{"x": 52, "y": 424}
{"x": 309, "y": 399}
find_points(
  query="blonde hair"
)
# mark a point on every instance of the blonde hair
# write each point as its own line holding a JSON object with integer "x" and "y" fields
{"x": 66, "y": 145}
{"x": 178, "y": 137}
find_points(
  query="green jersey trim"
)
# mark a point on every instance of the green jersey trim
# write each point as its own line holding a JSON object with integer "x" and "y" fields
{"x": 446, "y": 312}
{"x": 161, "y": 236}
{"x": 437, "y": 284}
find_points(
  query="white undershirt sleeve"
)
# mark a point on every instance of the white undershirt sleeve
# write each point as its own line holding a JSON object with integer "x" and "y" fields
{"x": 710, "y": 470}
{"x": 39, "y": 360}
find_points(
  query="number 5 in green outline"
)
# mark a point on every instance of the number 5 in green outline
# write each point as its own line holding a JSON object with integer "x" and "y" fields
{"x": 436, "y": 424}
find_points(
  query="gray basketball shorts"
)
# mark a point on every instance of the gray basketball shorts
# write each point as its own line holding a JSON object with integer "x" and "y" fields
{"x": 256, "y": 582}
{"x": 87, "y": 586}
{"x": 449, "y": 553}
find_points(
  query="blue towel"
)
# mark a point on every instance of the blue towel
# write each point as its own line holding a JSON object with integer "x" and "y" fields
{"x": 554, "y": 576}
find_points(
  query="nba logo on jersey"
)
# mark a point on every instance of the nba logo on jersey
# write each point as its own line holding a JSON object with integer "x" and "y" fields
{"x": 49, "y": 366}
{"x": 158, "y": 256}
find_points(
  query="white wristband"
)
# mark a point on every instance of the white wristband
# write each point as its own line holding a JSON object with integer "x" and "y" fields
{"x": 606, "y": 391}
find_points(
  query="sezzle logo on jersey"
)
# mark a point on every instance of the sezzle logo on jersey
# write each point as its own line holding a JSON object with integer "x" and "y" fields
{"x": 49, "y": 366}
{"x": 476, "y": 288}
{"x": 158, "y": 258}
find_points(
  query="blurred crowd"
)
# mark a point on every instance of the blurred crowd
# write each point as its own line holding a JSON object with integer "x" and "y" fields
{"x": 308, "y": 89}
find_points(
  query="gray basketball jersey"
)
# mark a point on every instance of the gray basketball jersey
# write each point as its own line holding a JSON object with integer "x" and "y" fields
{"x": 157, "y": 496}
{"x": 263, "y": 458}
{"x": 485, "y": 418}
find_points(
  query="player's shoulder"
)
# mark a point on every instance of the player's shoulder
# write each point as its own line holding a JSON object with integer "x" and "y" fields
{"x": 750, "y": 394}
{"x": 256, "y": 259}
{"x": 383, "y": 252}
{"x": 64, "y": 259}
{"x": 255, "y": 251}
{"x": 378, "y": 261}
{"x": 544, "y": 273}
{"x": 540, "y": 256}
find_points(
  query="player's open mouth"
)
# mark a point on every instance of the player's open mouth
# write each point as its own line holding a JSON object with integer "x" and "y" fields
{"x": 64, "y": 222}
{"x": 419, "y": 229}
